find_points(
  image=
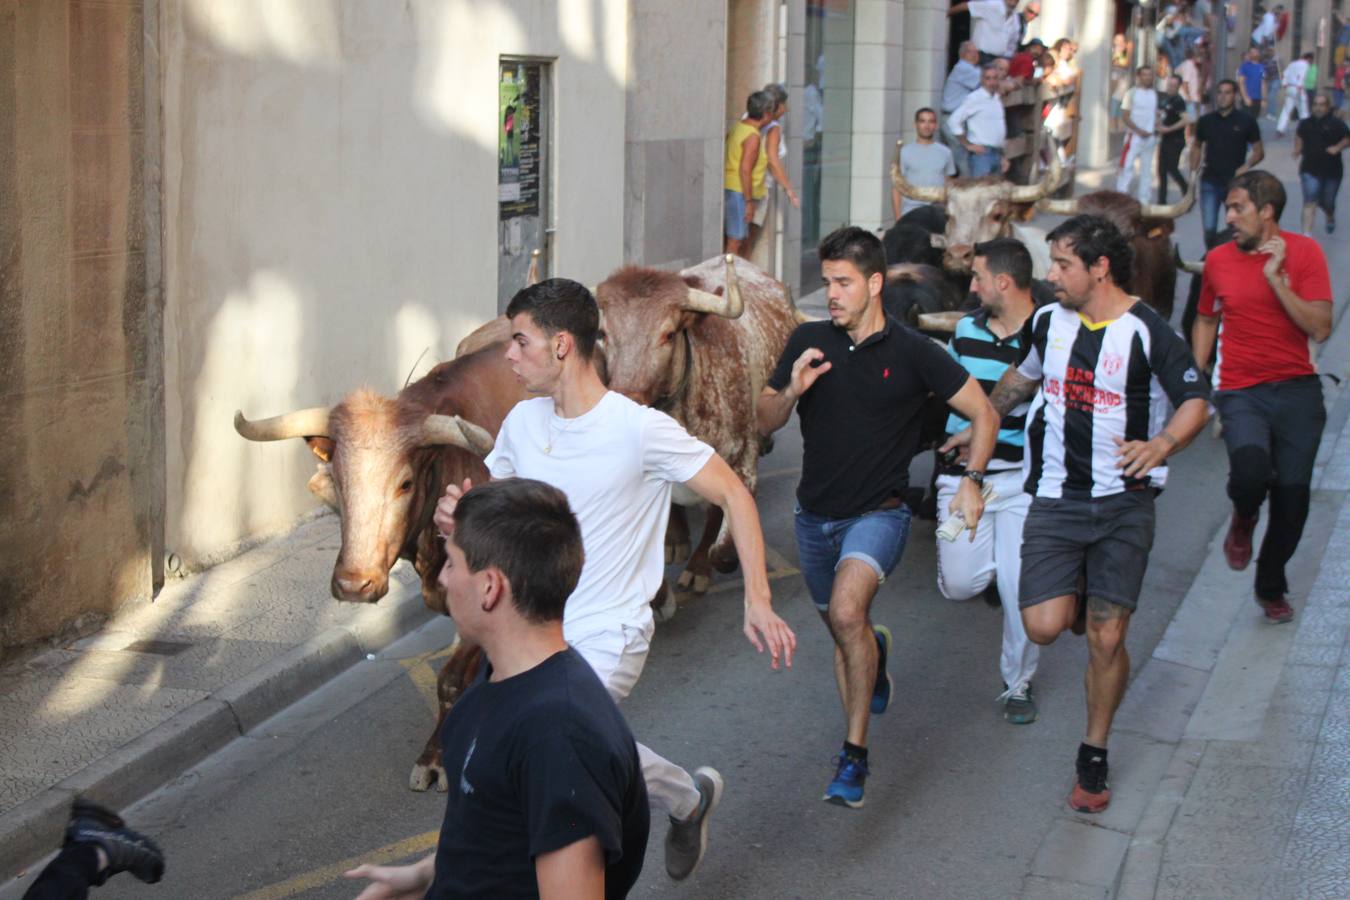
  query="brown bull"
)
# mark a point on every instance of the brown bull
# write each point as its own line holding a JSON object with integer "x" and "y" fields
{"x": 1148, "y": 227}
{"x": 700, "y": 345}
{"x": 384, "y": 462}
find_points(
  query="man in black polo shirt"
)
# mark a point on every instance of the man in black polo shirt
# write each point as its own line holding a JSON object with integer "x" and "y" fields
{"x": 862, "y": 379}
{"x": 1225, "y": 135}
{"x": 1319, "y": 142}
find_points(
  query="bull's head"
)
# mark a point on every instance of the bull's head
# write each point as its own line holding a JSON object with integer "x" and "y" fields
{"x": 978, "y": 209}
{"x": 374, "y": 470}
{"x": 645, "y": 314}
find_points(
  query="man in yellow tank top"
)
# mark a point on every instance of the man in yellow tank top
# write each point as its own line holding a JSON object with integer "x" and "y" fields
{"x": 743, "y": 179}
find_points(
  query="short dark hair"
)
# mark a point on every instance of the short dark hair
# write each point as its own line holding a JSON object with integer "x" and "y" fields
{"x": 856, "y": 245}
{"x": 759, "y": 103}
{"x": 1228, "y": 81}
{"x": 1091, "y": 238}
{"x": 560, "y": 304}
{"x": 924, "y": 109}
{"x": 1007, "y": 256}
{"x": 1263, "y": 187}
{"x": 526, "y": 529}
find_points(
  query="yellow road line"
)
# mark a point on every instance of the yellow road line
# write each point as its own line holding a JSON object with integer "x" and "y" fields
{"x": 307, "y": 881}
{"x": 422, "y": 672}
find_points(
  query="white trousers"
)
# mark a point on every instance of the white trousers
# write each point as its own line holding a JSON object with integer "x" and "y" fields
{"x": 1141, "y": 149}
{"x": 618, "y": 656}
{"x": 966, "y": 567}
{"x": 1293, "y": 96}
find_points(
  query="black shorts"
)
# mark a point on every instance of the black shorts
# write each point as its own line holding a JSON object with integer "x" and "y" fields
{"x": 1108, "y": 538}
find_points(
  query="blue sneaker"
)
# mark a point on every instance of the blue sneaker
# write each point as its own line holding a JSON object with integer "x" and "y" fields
{"x": 847, "y": 787}
{"x": 881, "y": 692}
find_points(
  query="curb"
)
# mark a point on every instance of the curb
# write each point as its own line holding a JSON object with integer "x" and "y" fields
{"x": 31, "y": 830}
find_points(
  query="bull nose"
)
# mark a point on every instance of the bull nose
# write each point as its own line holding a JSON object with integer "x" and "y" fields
{"x": 359, "y": 587}
{"x": 959, "y": 257}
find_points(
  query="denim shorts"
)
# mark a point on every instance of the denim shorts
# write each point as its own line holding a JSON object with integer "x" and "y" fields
{"x": 876, "y": 538}
{"x": 1320, "y": 190}
{"x": 737, "y": 227}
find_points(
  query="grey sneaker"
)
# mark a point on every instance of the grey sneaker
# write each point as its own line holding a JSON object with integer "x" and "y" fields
{"x": 687, "y": 840}
{"x": 1018, "y": 706}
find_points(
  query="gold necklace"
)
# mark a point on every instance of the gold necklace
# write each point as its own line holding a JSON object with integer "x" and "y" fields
{"x": 548, "y": 445}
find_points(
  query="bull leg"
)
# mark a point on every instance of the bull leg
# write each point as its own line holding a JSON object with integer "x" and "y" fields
{"x": 677, "y": 536}
{"x": 697, "y": 575}
{"x": 723, "y": 553}
{"x": 460, "y": 669}
{"x": 663, "y": 604}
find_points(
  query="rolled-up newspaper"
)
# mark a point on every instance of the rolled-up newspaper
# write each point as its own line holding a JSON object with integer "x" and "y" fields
{"x": 950, "y": 529}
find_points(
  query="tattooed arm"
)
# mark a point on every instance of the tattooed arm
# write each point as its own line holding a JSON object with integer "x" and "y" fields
{"x": 1012, "y": 390}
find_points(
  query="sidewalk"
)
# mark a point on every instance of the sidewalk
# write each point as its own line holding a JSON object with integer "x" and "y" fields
{"x": 165, "y": 684}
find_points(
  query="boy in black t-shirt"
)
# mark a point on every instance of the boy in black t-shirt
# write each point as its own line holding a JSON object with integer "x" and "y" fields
{"x": 1318, "y": 143}
{"x": 547, "y": 795}
{"x": 1173, "y": 140}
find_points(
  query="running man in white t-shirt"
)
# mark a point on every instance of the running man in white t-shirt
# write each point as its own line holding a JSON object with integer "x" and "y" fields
{"x": 617, "y": 462}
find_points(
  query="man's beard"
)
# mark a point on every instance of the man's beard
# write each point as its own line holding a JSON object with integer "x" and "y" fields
{"x": 1247, "y": 242}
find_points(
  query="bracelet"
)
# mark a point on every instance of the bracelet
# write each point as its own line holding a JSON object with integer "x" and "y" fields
{"x": 1166, "y": 435}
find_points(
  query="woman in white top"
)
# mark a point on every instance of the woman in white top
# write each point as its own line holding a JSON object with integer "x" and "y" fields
{"x": 776, "y": 148}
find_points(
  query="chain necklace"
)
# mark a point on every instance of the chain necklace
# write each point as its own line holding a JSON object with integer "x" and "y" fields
{"x": 552, "y": 438}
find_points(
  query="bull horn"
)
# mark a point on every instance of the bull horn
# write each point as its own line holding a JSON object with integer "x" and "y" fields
{"x": 1030, "y": 193}
{"x": 938, "y": 241}
{"x": 1058, "y": 207}
{"x": 532, "y": 275}
{"x": 1195, "y": 268}
{"x": 729, "y": 305}
{"x": 453, "y": 430}
{"x": 913, "y": 191}
{"x": 312, "y": 422}
{"x": 1172, "y": 210}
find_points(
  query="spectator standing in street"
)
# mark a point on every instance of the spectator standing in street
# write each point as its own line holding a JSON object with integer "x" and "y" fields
{"x": 1102, "y": 368}
{"x": 1120, "y": 79}
{"x": 1223, "y": 136}
{"x": 981, "y": 125}
{"x": 1175, "y": 119}
{"x": 774, "y": 148}
{"x": 924, "y": 162}
{"x": 1319, "y": 142}
{"x": 549, "y": 799}
{"x": 985, "y": 343}
{"x": 743, "y": 175}
{"x": 1271, "y": 291}
{"x": 1192, "y": 85}
{"x": 995, "y": 26}
{"x": 1251, "y": 79}
{"x": 859, "y": 382}
{"x": 1295, "y": 97}
{"x": 1141, "y": 140}
{"x": 961, "y": 81}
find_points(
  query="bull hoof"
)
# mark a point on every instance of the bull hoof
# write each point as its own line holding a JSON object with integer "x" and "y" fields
{"x": 424, "y": 776}
{"x": 677, "y": 552}
{"x": 725, "y": 564}
{"x": 690, "y": 583}
{"x": 664, "y": 606}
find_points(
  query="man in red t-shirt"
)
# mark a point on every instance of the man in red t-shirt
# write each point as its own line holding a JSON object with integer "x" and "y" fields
{"x": 1272, "y": 292}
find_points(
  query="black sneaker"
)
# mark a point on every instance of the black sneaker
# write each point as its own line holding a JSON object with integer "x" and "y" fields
{"x": 127, "y": 850}
{"x": 1091, "y": 793}
{"x": 687, "y": 840}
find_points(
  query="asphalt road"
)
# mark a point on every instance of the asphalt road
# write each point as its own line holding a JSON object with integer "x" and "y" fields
{"x": 957, "y": 803}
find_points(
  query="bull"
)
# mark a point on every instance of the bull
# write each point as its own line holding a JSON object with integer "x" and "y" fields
{"x": 700, "y": 345}
{"x": 383, "y": 464}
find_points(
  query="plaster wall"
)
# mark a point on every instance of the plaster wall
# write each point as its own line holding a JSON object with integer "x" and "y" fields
{"x": 75, "y": 519}
{"x": 888, "y": 59}
{"x": 330, "y": 209}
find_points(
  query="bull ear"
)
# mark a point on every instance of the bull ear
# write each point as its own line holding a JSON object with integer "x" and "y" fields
{"x": 322, "y": 447}
{"x": 321, "y": 486}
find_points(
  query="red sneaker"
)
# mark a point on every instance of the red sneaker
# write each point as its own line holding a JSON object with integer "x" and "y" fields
{"x": 1278, "y": 611}
{"x": 1084, "y": 801}
{"x": 1237, "y": 544}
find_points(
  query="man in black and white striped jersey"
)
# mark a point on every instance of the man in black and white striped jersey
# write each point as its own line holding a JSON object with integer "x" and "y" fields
{"x": 1105, "y": 372}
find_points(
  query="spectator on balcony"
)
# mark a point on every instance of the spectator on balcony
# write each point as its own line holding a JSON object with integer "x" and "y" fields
{"x": 995, "y": 26}
{"x": 961, "y": 80}
{"x": 981, "y": 125}
{"x": 1025, "y": 66}
{"x": 925, "y": 162}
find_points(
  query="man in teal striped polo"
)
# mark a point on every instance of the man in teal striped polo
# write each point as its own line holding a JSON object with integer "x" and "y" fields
{"x": 986, "y": 342}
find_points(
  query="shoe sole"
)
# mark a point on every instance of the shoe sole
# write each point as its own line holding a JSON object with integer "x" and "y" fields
{"x": 876, "y": 707}
{"x": 1278, "y": 620}
{"x": 715, "y": 778}
{"x": 1091, "y": 807}
{"x": 836, "y": 800}
{"x": 1090, "y": 810}
{"x": 1020, "y": 718}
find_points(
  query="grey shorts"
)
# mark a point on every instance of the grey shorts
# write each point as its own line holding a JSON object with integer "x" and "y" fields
{"x": 1106, "y": 538}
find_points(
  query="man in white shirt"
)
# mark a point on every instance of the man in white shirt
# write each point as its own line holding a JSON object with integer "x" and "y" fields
{"x": 1295, "y": 94}
{"x": 925, "y": 162}
{"x": 961, "y": 80}
{"x": 981, "y": 125}
{"x": 1140, "y": 107}
{"x": 617, "y": 462}
{"x": 995, "y": 26}
{"x": 1266, "y": 31}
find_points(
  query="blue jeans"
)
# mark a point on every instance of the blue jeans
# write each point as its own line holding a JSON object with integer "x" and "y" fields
{"x": 990, "y": 162}
{"x": 876, "y": 538}
{"x": 1322, "y": 191}
{"x": 1212, "y": 194}
{"x": 737, "y": 228}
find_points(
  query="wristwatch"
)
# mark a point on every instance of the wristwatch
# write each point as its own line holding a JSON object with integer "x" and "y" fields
{"x": 977, "y": 477}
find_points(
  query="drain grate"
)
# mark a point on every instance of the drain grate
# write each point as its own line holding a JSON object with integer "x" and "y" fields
{"x": 158, "y": 648}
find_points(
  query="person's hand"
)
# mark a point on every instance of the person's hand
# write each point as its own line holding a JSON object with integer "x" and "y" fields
{"x": 764, "y": 626}
{"x": 444, "y": 516}
{"x": 804, "y": 374}
{"x": 794, "y": 200}
{"x": 1004, "y": 165}
{"x": 1138, "y": 458}
{"x": 1332, "y": 151}
{"x": 392, "y": 882}
{"x": 1275, "y": 247}
{"x": 961, "y": 439}
{"x": 977, "y": 149}
{"x": 749, "y": 211}
{"x": 968, "y": 503}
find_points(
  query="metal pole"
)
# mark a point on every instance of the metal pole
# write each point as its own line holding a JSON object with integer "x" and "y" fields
{"x": 1219, "y": 40}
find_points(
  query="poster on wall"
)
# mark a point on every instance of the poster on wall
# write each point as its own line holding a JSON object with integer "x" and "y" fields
{"x": 518, "y": 135}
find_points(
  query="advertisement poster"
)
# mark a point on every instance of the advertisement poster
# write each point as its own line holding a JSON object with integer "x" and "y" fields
{"x": 518, "y": 137}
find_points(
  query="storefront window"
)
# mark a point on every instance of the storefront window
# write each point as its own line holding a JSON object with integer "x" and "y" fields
{"x": 827, "y": 135}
